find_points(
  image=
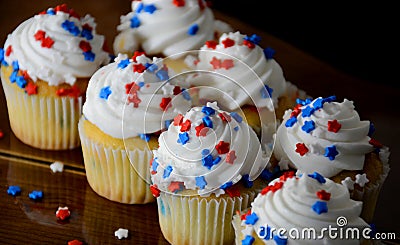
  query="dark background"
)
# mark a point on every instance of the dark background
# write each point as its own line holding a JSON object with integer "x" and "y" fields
{"x": 358, "y": 39}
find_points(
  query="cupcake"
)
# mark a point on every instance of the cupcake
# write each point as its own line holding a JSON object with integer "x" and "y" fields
{"x": 128, "y": 103}
{"x": 327, "y": 136}
{"x": 46, "y": 64}
{"x": 167, "y": 28}
{"x": 237, "y": 69}
{"x": 205, "y": 168}
{"x": 309, "y": 209}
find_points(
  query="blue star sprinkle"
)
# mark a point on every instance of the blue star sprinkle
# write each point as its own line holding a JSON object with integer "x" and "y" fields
{"x": 208, "y": 110}
{"x": 246, "y": 181}
{"x": 151, "y": 67}
{"x": 135, "y": 22}
{"x": 14, "y": 190}
{"x": 186, "y": 95}
{"x": 13, "y": 76}
{"x": 318, "y": 103}
{"x": 167, "y": 171}
{"x": 70, "y": 27}
{"x": 154, "y": 165}
{"x": 331, "y": 152}
{"x": 290, "y": 122}
{"x": 15, "y": 65}
{"x": 251, "y": 219}
{"x": 183, "y": 138}
{"x": 318, "y": 177}
{"x": 207, "y": 161}
{"x": 216, "y": 160}
{"x": 123, "y": 63}
{"x": 87, "y": 34}
{"x": 89, "y": 56}
{"x": 236, "y": 116}
{"x": 226, "y": 185}
{"x": 145, "y": 137}
{"x": 253, "y": 38}
{"x": 105, "y": 92}
{"x": 139, "y": 8}
{"x": 371, "y": 129}
{"x": 149, "y": 8}
{"x": 162, "y": 75}
{"x": 308, "y": 126}
{"x": 21, "y": 82}
{"x": 207, "y": 122}
{"x": 201, "y": 182}
{"x": 248, "y": 240}
{"x": 193, "y": 29}
{"x": 320, "y": 207}
{"x": 266, "y": 174}
{"x": 36, "y": 195}
{"x": 308, "y": 111}
{"x": 266, "y": 92}
{"x": 303, "y": 102}
{"x": 269, "y": 53}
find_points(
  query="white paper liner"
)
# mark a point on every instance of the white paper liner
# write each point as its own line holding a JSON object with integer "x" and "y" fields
{"x": 111, "y": 175}
{"x": 48, "y": 123}
{"x": 200, "y": 220}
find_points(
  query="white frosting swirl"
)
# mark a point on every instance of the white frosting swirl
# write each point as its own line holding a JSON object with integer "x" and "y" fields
{"x": 161, "y": 27}
{"x": 244, "y": 75}
{"x": 62, "y": 61}
{"x": 294, "y": 206}
{"x": 327, "y": 152}
{"x": 218, "y": 154}
{"x": 123, "y": 112}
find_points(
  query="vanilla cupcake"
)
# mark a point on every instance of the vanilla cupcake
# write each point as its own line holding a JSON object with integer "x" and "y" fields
{"x": 46, "y": 64}
{"x": 128, "y": 103}
{"x": 328, "y": 137}
{"x": 167, "y": 28}
{"x": 309, "y": 209}
{"x": 205, "y": 168}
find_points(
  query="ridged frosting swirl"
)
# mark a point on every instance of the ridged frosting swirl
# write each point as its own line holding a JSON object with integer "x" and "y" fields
{"x": 248, "y": 73}
{"x": 323, "y": 135}
{"x": 56, "y": 46}
{"x": 206, "y": 149}
{"x": 166, "y": 27}
{"x": 308, "y": 201}
{"x": 132, "y": 97}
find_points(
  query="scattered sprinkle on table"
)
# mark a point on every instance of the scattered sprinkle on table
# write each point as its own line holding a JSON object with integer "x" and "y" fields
{"x": 57, "y": 167}
{"x": 75, "y": 242}
{"x": 121, "y": 233}
{"x": 36, "y": 195}
{"x": 14, "y": 190}
{"x": 63, "y": 213}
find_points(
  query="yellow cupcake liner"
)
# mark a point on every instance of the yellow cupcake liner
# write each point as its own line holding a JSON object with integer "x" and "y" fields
{"x": 200, "y": 220}
{"x": 48, "y": 123}
{"x": 110, "y": 172}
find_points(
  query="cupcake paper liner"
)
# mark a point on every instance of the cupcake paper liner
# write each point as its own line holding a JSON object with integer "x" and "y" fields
{"x": 200, "y": 220}
{"x": 48, "y": 123}
{"x": 110, "y": 172}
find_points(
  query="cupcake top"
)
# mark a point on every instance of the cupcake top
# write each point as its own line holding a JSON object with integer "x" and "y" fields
{"x": 133, "y": 97}
{"x": 57, "y": 46}
{"x": 325, "y": 136}
{"x": 166, "y": 28}
{"x": 207, "y": 150}
{"x": 248, "y": 73}
{"x": 308, "y": 201}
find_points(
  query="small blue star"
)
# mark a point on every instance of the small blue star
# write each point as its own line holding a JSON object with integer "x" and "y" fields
{"x": 183, "y": 138}
{"x": 201, "y": 182}
{"x": 331, "y": 152}
{"x": 320, "y": 207}
{"x": 253, "y": 38}
{"x": 36, "y": 195}
{"x": 266, "y": 92}
{"x": 308, "y": 126}
{"x": 13, "y": 76}
{"x": 248, "y": 240}
{"x": 154, "y": 164}
{"x": 167, "y": 171}
{"x": 193, "y": 29}
{"x": 266, "y": 174}
{"x": 89, "y": 55}
{"x": 251, "y": 219}
{"x": 123, "y": 63}
{"x": 145, "y": 137}
{"x": 105, "y": 92}
{"x": 162, "y": 75}
{"x": 70, "y": 27}
{"x": 226, "y": 185}
{"x": 236, "y": 116}
{"x": 318, "y": 103}
{"x": 308, "y": 111}
{"x": 21, "y": 82}
{"x": 208, "y": 110}
{"x": 303, "y": 102}
{"x": 290, "y": 122}
{"x": 269, "y": 53}
{"x": 207, "y": 122}
{"x": 135, "y": 22}
{"x": 86, "y": 33}
{"x": 14, "y": 190}
{"x": 139, "y": 8}
{"x": 149, "y": 8}
{"x": 15, "y": 65}
{"x": 207, "y": 161}
{"x": 246, "y": 181}
{"x": 318, "y": 177}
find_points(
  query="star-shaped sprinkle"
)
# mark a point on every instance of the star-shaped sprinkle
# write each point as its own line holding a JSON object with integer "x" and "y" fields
{"x": 175, "y": 186}
{"x": 135, "y": 22}
{"x": 165, "y": 103}
{"x": 331, "y": 152}
{"x": 8, "y": 50}
{"x": 334, "y": 126}
{"x": 14, "y": 190}
{"x": 139, "y": 68}
{"x": 178, "y": 119}
{"x": 237, "y": 117}
{"x": 216, "y": 63}
{"x": 269, "y": 53}
{"x": 89, "y": 56}
{"x": 149, "y": 8}
{"x": 57, "y": 167}
{"x": 179, "y": 3}
{"x": 246, "y": 181}
{"x": 320, "y": 207}
{"x": 193, "y": 29}
{"x": 266, "y": 92}
{"x": 226, "y": 185}
{"x": 349, "y": 183}
{"x": 63, "y": 213}
{"x": 21, "y": 82}
{"x": 248, "y": 240}
{"x": 167, "y": 171}
{"x": 121, "y": 233}
{"x": 318, "y": 177}
{"x": 361, "y": 179}
{"x": 307, "y": 112}
{"x": 301, "y": 148}
{"x": 290, "y": 122}
{"x": 222, "y": 147}
{"x": 208, "y": 110}
{"x": 123, "y": 63}
{"x": 185, "y": 126}
{"x": 133, "y": 98}
{"x": 228, "y": 42}
{"x": 154, "y": 190}
{"x": 308, "y": 126}
{"x": 211, "y": 44}
{"x": 230, "y": 157}
{"x": 225, "y": 117}
{"x": 201, "y": 130}
{"x": 207, "y": 122}
{"x": 323, "y": 195}
{"x": 31, "y": 88}
{"x": 201, "y": 182}
{"x": 70, "y": 27}
{"x": 105, "y": 92}
{"x": 287, "y": 175}
{"x": 75, "y": 242}
{"x": 207, "y": 161}
{"x": 183, "y": 138}
{"x": 375, "y": 143}
{"x": 85, "y": 46}
{"x": 227, "y": 64}
{"x": 318, "y": 103}
{"x": 162, "y": 75}
{"x": 251, "y": 219}
{"x": 36, "y": 195}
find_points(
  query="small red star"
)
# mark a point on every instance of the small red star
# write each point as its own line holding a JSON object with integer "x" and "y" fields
{"x": 39, "y": 35}
{"x": 133, "y": 98}
{"x": 62, "y": 8}
{"x": 137, "y": 54}
{"x": 243, "y": 216}
{"x": 131, "y": 88}
{"x": 25, "y": 74}
{"x": 286, "y": 175}
{"x": 185, "y": 126}
{"x": 227, "y": 64}
{"x": 276, "y": 186}
{"x": 155, "y": 191}
{"x": 301, "y": 148}
{"x": 201, "y": 130}
{"x": 9, "y": 50}
{"x": 175, "y": 186}
{"x": 375, "y": 143}
{"x": 296, "y": 111}
{"x": 1, "y": 134}
{"x": 178, "y": 119}
{"x": 31, "y": 88}
{"x": 165, "y": 103}
{"x": 177, "y": 90}
{"x": 230, "y": 157}
{"x": 249, "y": 44}
{"x": 47, "y": 42}
{"x": 179, "y": 3}
{"x": 334, "y": 126}
{"x": 75, "y": 242}
{"x": 87, "y": 27}
{"x": 225, "y": 117}
{"x": 216, "y": 63}
{"x": 228, "y": 42}
{"x": 139, "y": 68}
{"x": 85, "y": 46}
{"x": 323, "y": 195}
{"x": 72, "y": 13}
{"x": 222, "y": 147}
{"x": 71, "y": 92}
{"x": 233, "y": 191}
{"x": 211, "y": 44}
{"x": 63, "y": 213}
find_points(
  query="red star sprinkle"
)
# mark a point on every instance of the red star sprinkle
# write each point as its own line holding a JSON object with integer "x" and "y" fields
{"x": 233, "y": 191}
{"x": 139, "y": 68}
{"x": 334, "y": 126}
{"x": 286, "y": 175}
{"x": 296, "y": 111}
{"x": 323, "y": 195}
{"x": 216, "y": 63}
{"x": 227, "y": 64}
{"x": 222, "y": 147}
{"x": 243, "y": 216}
{"x": 175, "y": 186}
{"x": 8, "y": 50}
{"x": 228, "y": 42}
{"x": 165, "y": 103}
{"x": 1, "y": 134}
{"x": 47, "y": 42}
{"x": 62, "y": 8}
{"x": 179, "y": 3}
{"x": 301, "y": 148}
{"x": 31, "y": 88}
{"x": 211, "y": 44}
{"x": 225, "y": 117}
{"x": 63, "y": 213}
{"x": 25, "y": 74}
{"x": 178, "y": 119}
{"x": 375, "y": 143}
{"x": 85, "y": 46}
{"x": 154, "y": 190}
{"x": 230, "y": 157}
{"x": 71, "y": 92}
{"x": 133, "y": 98}
{"x": 137, "y": 54}
{"x": 75, "y": 242}
{"x": 201, "y": 130}
{"x": 131, "y": 88}
{"x": 276, "y": 186}
{"x": 87, "y": 27}
{"x": 72, "y": 13}
{"x": 177, "y": 90}
{"x": 249, "y": 44}
{"x": 186, "y": 126}
{"x": 39, "y": 35}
